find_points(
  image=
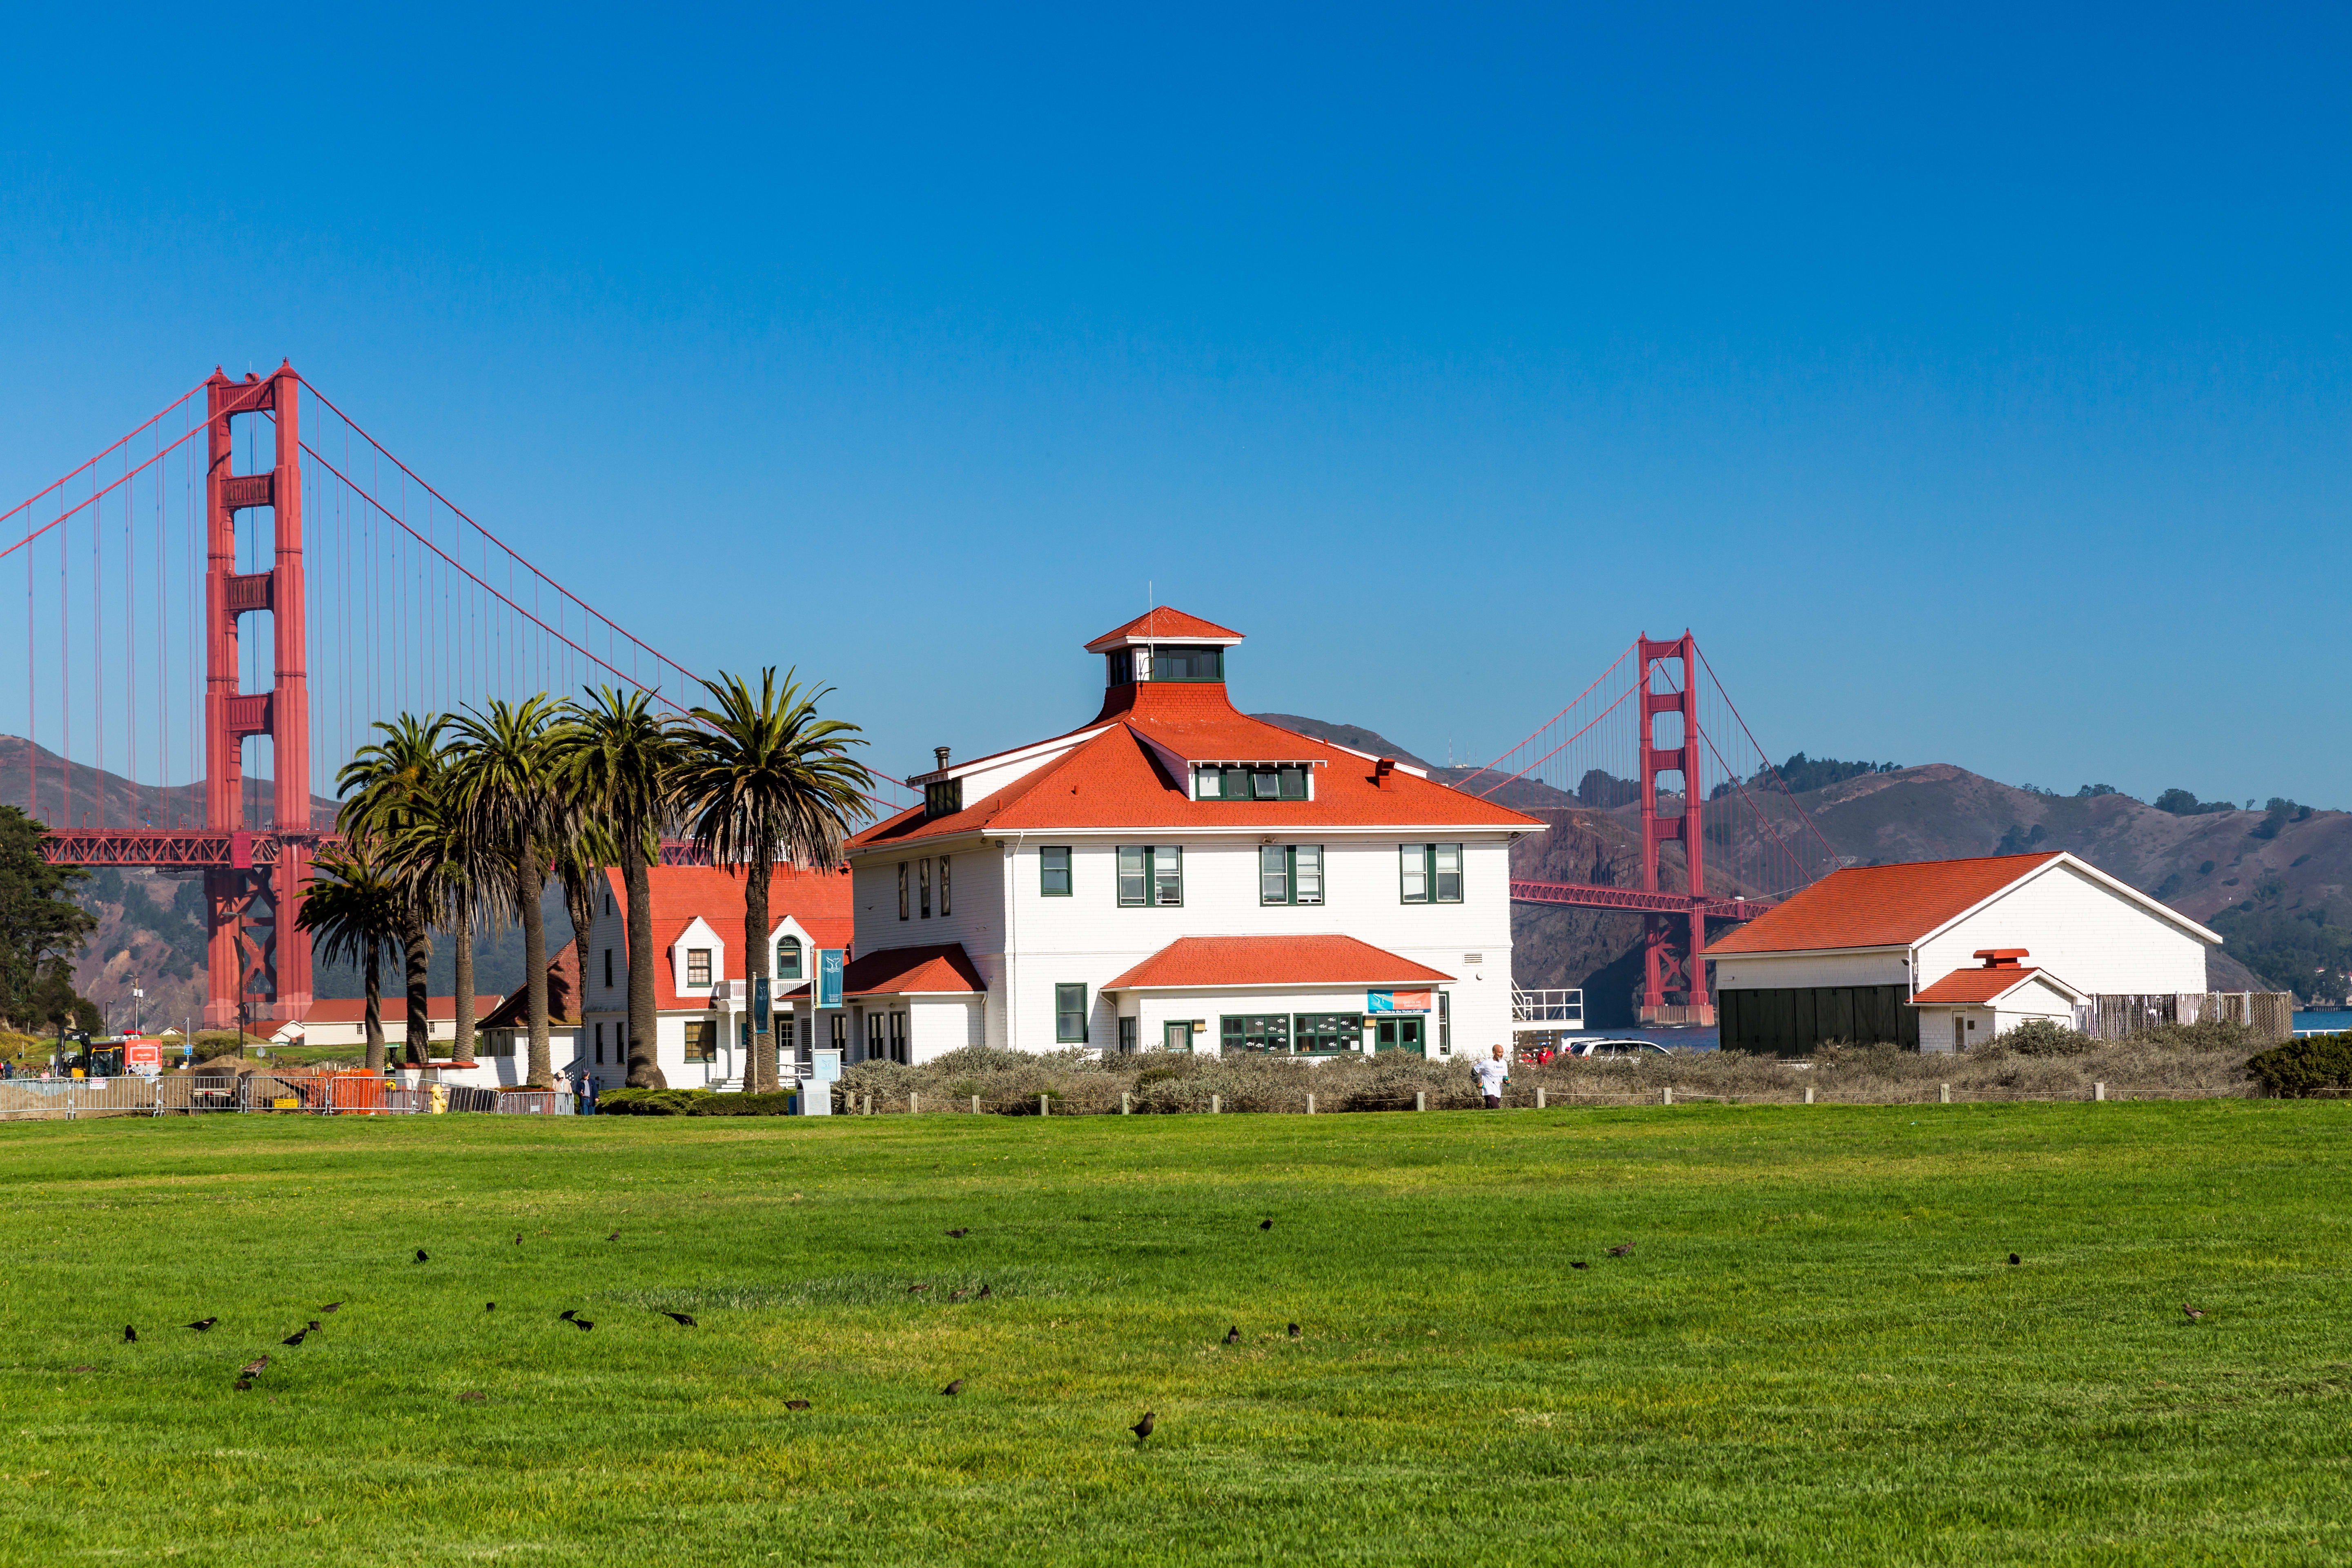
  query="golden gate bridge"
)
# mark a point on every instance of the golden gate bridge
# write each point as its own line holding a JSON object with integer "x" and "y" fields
{"x": 236, "y": 591}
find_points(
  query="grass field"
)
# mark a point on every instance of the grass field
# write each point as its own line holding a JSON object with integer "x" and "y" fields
{"x": 1816, "y": 1352}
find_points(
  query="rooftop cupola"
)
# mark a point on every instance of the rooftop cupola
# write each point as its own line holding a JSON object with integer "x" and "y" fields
{"x": 1163, "y": 644}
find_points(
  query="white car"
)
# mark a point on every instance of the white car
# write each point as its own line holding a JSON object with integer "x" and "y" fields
{"x": 1617, "y": 1050}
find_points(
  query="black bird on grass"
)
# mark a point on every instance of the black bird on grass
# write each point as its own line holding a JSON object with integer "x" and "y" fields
{"x": 1294, "y": 1331}
{"x": 1265, "y": 1224}
{"x": 518, "y": 1238}
{"x": 129, "y": 1335}
{"x": 680, "y": 1318}
{"x": 952, "y": 1388}
{"x": 421, "y": 1257}
{"x": 569, "y": 1313}
{"x": 201, "y": 1325}
{"x": 1623, "y": 1249}
{"x": 912, "y": 1289}
{"x": 330, "y": 1306}
{"x": 583, "y": 1324}
{"x": 1234, "y": 1335}
{"x": 796, "y": 1404}
{"x": 2193, "y": 1312}
{"x": 614, "y": 1237}
{"x": 243, "y": 1383}
{"x": 295, "y": 1338}
{"x": 489, "y": 1306}
{"x": 2014, "y": 1260}
{"x": 983, "y": 1291}
{"x": 1579, "y": 1263}
{"x": 1142, "y": 1429}
{"x": 960, "y": 1232}
{"x": 254, "y": 1368}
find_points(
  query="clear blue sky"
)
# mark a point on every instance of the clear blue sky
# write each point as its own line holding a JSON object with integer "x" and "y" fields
{"x": 1975, "y": 386}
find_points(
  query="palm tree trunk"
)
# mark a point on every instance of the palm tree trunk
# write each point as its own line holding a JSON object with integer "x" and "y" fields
{"x": 760, "y": 1073}
{"x": 375, "y": 1011}
{"x": 463, "y": 1050}
{"x": 416, "y": 957}
{"x": 580, "y": 903}
{"x": 534, "y": 960}
{"x": 644, "y": 1063}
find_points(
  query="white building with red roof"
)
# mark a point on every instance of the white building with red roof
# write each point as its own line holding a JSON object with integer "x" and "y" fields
{"x": 1895, "y": 952}
{"x": 701, "y": 997}
{"x": 1175, "y": 875}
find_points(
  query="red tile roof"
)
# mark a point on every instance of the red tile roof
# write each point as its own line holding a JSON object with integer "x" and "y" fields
{"x": 1877, "y": 906}
{"x": 1114, "y": 780}
{"x": 563, "y": 996}
{"x": 819, "y": 901}
{"x": 903, "y": 971}
{"x": 1163, "y": 623}
{"x": 1973, "y": 987}
{"x": 1216, "y": 961}
{"x": 394, "y": 1008}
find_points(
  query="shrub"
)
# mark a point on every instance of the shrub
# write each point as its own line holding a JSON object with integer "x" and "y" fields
{"x": 2044, "y": 1037}
{"x": 2303, "y": 1068}
{"x": 777, "y": 1104}
{"x": 2205, "y": 1034}
{"x": 650, "y": 1101}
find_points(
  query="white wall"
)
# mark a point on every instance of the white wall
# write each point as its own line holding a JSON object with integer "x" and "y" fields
{"x": 2085, "y": 933}
{"x": 1088, "y": 938}
{"x": 1769, "y": 971}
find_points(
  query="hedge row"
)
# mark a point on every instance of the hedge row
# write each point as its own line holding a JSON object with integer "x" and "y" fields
{"x": 690, "y": 1102}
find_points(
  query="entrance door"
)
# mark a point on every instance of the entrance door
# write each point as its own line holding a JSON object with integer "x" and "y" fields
{"x": 1399, "y": 1035}
{"x": 1960, "y": 1033}
{"x": 1176, "y": 1037}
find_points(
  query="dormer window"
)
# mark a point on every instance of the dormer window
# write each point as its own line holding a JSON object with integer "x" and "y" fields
{"x": 944, "y": 798}
{"x": 698, "y": 968}
{"x": 1257, "y": 781}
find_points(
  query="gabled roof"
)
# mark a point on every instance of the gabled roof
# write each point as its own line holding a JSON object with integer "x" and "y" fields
{"x": 912, "y": 971}
{"x": 563, "y": 996}
{"x": 1878, "y": 906}
{"x": 1985, "y": 983}
{"x": 1117, "y": 780}
{"x": 1243, "y": 960}
{"x": 1164, "y": 625}
{"x": 818, "y": 901}
{"x": 1895, "y": 906}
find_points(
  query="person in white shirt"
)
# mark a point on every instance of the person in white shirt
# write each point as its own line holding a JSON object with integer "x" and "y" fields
{"x": 1490, "y": 1074}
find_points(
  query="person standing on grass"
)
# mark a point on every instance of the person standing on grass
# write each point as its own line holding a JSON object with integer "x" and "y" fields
{"x": 1490, "y": 1074}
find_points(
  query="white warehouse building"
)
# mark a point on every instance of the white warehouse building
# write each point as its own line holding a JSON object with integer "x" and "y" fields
{"x": 1175, "y": 875}
{"x": 1932, "y": 954}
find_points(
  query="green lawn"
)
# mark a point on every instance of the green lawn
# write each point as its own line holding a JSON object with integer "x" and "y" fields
{"x": 1816, "y": 1352}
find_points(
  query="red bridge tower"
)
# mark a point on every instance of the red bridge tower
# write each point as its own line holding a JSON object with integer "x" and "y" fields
{"x": 1664, "y": 969}
{"x": 255, "y": 952}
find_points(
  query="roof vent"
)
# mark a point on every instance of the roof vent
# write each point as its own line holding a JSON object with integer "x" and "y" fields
{"x": 2000, "y": 957}
{"x": 940, "y": 753}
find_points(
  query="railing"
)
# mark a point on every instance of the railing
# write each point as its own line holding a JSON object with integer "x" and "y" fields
{"x": 1559, "y": 1008}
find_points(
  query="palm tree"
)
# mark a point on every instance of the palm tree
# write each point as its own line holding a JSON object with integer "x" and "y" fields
{"x": 763, "y": 779}
{"x": 461, "y": 886}
{"x": 351, "y": 908}
{"x": 506, "y": 794}
{"x": 390, "y": 785}
{"x": 582, "y": 848}
{"x": 615, "y": 760}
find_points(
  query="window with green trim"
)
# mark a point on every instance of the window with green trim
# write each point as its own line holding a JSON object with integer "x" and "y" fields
{"x": 701, "y": 1040}
{"x": 1130, "y": 1035}
{"x": 1290, "y": 874}
{"x": 1243, "y": 1034}
{"x": 943, "y": 887}
{"x": 1430, "y": 873}
{"x": 1319, "y": 1034}
{"x": 788, "y": 958}
{"x": 1053, "y": 871}
{"x": 1070, "y": 1014}
{"x": 1150, "y": 874}
{"x": 923, "y": 884}
{"x": 902, "y": 890}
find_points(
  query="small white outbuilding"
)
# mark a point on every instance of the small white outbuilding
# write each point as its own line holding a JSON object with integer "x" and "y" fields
{"x": 1970, "y": 1007}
